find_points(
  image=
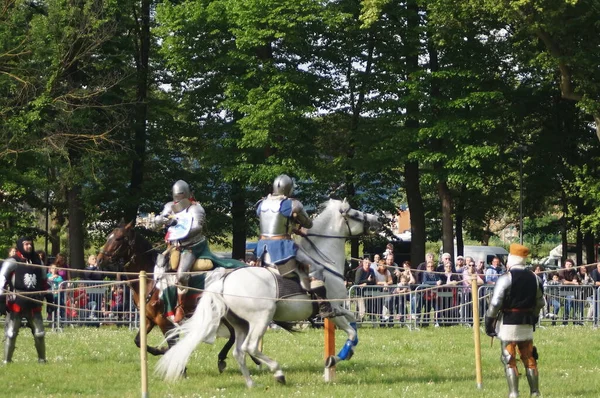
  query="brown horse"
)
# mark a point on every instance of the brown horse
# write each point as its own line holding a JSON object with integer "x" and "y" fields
{"x": 127, "y": 251}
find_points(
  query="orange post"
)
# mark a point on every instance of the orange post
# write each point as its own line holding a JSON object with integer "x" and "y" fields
{"x": 329, "y": 348}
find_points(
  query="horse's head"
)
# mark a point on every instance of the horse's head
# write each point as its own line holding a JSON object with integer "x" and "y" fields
{"x": 118, "y": 249}
{"x": 357, "y": 222}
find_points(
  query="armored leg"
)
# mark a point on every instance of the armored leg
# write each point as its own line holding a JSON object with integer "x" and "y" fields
{"x": 510, "y": 367}
{"x": 37, "y": 329}
{"x": 11, "y": 330}
{"x": 186, "y": 261}
{"x": 529, "y": 356}
{"x": 534, "y": 382}
{"x": 325, "y": 309}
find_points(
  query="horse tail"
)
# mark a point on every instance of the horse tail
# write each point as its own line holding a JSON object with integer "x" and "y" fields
{"x": 201, "y": 327}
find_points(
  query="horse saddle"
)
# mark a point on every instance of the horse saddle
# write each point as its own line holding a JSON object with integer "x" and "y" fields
{"x": 287, "y": 287}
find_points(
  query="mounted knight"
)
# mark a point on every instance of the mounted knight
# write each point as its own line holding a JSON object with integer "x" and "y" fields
{"x": 279, "y": 215}
{"x": 187, "y": 248}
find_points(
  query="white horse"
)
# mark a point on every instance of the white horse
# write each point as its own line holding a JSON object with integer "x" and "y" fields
{"x": 249, "y": 298}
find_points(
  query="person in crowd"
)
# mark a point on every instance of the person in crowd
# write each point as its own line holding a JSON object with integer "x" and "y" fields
{"x": 23, "y": 273}
{"x": 423, "y": 266}
{"x": 405, "y": 269}
{"x": 64, "y": 270}
{"x": 539, "y": 272}
{"x": 389, "y": 251}
{"x": 553, "y": 296}
{"x": 568, "y": 278}
{"x": 480, "y": 267}
{"x": 493, "y": 272}
{"x": 376, "y": 259}
{"x": 12, "y": 252}
{"x": 448, "y": 311}
{"x": 460, "y": 265}
{"x": 364, "y": 277}
{"x": 117, "y": 302}
{"x": 60, "y": 262}
{"x": 42, "y": 256}
{"x": 446, "y": 258}
{"x": 91, "y": 270}
{"x": 383, "y": 279}
{"x": 391, "y": 266}
{"x": 468, "y": 274}
{"x": 514, "y": 308}
{"x": 54, "y": 280}
{"x": 586, "y": 296}
{"x": 401, "y": 297}
{"x": 428, "y": 296}
{"x": 595, "y": 275}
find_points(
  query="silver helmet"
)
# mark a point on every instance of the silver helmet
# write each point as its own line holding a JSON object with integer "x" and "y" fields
{"x": 283, "y": 185}
{"x": 181, "y": 196}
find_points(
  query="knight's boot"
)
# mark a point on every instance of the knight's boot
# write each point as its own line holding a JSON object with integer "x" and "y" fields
{"x": 9, "y": 349}
{"x": 534, "y": 383}
{"x": 179, "y": 312}
{"x": 512, "y": 378}
{"x": 40, "y": 346}
{"x": 325, "y": 309}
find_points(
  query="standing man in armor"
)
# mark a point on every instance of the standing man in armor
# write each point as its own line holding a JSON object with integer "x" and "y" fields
{"x": 186, "y": 217}
{"x": 278, "y": 214}
{"x": 20, "y": 277}
{"x": 512, "y": 315}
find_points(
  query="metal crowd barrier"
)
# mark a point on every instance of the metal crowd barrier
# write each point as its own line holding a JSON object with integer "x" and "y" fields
{"x": 93, "y": 303}
{"x": 446, "y": 305}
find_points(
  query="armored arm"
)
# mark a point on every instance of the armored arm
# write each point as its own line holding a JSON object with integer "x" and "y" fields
{"x": 300, "y": 215}
{"x": 500, "y": 290}
{"x": 8, "y": 267}
{"x": 198, "y": 218}
{"x": 539, "y": 299}
{"x": 163, "y": 218}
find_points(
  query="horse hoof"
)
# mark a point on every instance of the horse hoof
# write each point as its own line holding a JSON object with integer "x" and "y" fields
{"x": 350, "y": 353}
{"x": 280, "y": 379}
{"x": 222, "y": 365}
{"x": 330, "y": 361}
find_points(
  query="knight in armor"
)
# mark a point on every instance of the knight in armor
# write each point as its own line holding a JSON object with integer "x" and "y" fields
{"x": 279, "y": 214}
{"x": 19, "y": 275}
{"x": 512, "y": 315}
{"x": 190, "y": 215}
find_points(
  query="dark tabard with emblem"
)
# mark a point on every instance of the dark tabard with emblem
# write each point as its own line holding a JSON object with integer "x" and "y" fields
{"x": 27, "y": 278}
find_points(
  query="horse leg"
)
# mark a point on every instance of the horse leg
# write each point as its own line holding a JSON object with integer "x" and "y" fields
{"x": 347, "y": 323}
{"x": 240, "y": 332}
{"x": 152, "y": 350}
{"x": 221, "y": 364}
{"x": 256, "y": 331}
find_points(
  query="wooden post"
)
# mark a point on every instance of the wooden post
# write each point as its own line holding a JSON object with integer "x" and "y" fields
{"x": 143, "y": 336}
{"x": 329, "y": 348}
{"x": 476, "y": 332}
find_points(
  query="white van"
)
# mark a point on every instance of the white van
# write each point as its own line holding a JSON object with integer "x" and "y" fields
{"x": 485, "y": 253}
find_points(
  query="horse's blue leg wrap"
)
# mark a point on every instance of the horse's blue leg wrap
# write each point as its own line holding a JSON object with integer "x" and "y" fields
{"x": 355, "y": 341}
{"x": 346, "y": 349}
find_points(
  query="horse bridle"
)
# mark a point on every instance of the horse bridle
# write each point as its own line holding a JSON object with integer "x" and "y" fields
{"x": 347, "y": 217}
{"x": 130, "y": 242}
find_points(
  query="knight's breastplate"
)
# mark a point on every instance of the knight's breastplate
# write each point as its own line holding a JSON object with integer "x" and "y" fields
{"x": 274, "y": 217}
{"x": 27, "y": 278}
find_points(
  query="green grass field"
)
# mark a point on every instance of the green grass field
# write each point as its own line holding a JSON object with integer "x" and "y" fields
{"x": 432, "y": 362}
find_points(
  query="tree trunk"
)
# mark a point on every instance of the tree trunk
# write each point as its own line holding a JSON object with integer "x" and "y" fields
{"x": 564, "y": 227}
{"x": 590, "y": 247}
{"x": 141, "y": 112}
{"x": 460, "y": 244}
{"x": 238, "y": 216}
{"x": 76, "y": 227}
{"x": 417, "y": 212}
{"x": 447, "y": 227}
{"x": 412, "y": 178}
